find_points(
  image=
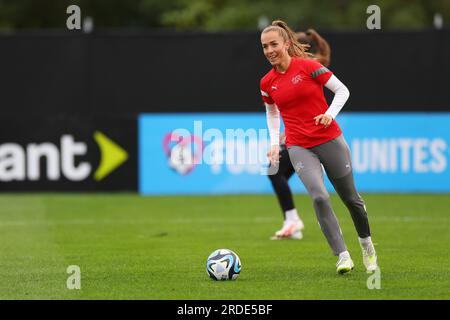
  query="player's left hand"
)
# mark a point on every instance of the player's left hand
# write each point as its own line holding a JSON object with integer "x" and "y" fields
{"x": 324, "y": 119}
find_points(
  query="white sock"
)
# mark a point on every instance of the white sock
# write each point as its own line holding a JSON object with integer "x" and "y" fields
{"x": 292, "y": 215}
{"x": 344, "y": 254}
{"x": 366, "y": 243}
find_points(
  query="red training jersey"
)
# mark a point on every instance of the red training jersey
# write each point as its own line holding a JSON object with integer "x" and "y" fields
{"x": 298, "y": 94}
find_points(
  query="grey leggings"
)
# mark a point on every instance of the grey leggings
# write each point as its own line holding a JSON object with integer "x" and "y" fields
{"x": 335, "y": 157}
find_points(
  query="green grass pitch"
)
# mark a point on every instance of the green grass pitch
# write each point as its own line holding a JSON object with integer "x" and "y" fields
{"x": 132, "y": 247}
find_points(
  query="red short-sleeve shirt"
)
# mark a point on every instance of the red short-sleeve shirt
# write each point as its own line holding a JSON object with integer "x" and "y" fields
{"x": 298, "y": 94}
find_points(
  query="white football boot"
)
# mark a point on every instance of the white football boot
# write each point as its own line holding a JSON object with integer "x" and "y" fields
{"x": 291, "y": 230}
{"x": 344, "y": 264}
{"x": 370, "y": 259}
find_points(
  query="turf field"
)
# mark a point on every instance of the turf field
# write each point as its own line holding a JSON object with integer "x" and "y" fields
{"x": 131, "y": 247}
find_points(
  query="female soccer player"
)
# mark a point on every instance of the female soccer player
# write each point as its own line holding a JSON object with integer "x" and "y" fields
{"x": 294, "y": 88}
{"x": 292, "y": 225}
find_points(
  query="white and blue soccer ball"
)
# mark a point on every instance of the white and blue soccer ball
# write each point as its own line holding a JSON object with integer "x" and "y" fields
{"x": 223, "y": 264}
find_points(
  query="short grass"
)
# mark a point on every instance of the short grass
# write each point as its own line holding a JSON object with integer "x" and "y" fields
{"x": 132, "y": 247}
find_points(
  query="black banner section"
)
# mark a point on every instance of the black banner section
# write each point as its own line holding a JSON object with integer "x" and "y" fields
{"x": 60, "y": 153}
{"x": 236, "y": 309}
{"x": 132, "y": 72}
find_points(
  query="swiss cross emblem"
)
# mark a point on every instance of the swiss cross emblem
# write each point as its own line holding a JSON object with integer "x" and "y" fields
{"x": 296, "y": 79}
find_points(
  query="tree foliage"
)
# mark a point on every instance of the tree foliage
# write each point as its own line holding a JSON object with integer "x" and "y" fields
{"x": 222, "y": 15}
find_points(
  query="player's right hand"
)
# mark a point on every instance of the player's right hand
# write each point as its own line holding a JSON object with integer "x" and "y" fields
{"x": 274, "y": 155}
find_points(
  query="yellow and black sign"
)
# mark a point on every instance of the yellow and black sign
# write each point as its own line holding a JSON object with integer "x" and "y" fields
{"x": 68, "y": 154}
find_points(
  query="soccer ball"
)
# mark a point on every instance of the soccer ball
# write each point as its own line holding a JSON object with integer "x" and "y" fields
{"x": 223, "y": 264}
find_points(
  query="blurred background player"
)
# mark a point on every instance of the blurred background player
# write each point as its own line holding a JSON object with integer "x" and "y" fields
{"x": 293, "y": 226}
